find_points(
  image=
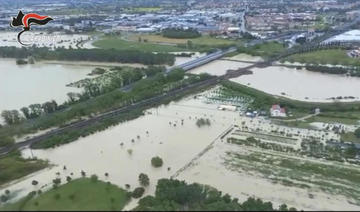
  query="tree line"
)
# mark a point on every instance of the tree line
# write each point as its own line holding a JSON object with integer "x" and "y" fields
{"x": 32, "y": 111}
{"x": 142, "y": 89}
{"x": 181, "y": 33}
{"x": 98, "y": 55}
{"x": 175, "y": 195}
{"x": 91, "y": 90}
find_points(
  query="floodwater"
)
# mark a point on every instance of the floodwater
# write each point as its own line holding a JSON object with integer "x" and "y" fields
{"x": 177, "y": 144}
{"x": 301, "y": 84}
{"x": 102, "y": 152}
{"x": 242, "y": 184}
{"x": 22, "y": 85}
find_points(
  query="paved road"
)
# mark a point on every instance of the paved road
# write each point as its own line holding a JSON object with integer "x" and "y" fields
{"x": 202, "y": 60}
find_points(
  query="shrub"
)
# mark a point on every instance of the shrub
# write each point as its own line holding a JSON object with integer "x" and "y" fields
{"x": 94, "y": 178}
{"x": 357, "y": 133}
{"x": 144, "y": 179}
{"x": 138, "y": 192}
{"x": 156, "y": 162}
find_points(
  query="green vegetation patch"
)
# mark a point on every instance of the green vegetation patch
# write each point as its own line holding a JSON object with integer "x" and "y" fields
{"x": 78, "y": 195}
{"x": 111, "y": 54}
{"x": 13, "y": 166}
{"x": 181, "y": 33}
{"x": 350, "y": 137}
{"x": 204, "y": 40}
{"x": 175, "y": 195}
{"x": 347, "y": 112}
{"x": 113, "y": 42}
{"x": 266, "y": 50}
{"x": 328, "y": 56}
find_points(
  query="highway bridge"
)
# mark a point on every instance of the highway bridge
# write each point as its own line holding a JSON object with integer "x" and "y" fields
{"x": 202, "y": 60}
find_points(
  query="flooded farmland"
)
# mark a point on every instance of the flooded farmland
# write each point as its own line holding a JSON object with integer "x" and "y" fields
{"x": 22, "y": 85}
{"x": 170, "y": 132}
{"x": 102, "y": 152}
{"x": 302, "y": 85}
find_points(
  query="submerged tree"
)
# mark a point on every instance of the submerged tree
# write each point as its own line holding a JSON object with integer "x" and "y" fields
{"x": 144, "y": 179}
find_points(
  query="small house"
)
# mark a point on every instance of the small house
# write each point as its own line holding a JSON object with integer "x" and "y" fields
{"x": 277, "y": 111}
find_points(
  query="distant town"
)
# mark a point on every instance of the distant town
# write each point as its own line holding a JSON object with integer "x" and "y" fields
{"x": 233, "y": 18}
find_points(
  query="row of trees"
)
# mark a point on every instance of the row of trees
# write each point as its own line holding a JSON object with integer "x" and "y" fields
{"x": 175, "y": 195}
{"x": 100, "y": 55}
{"x": 327, "y": 69}
{"x": 141, "y": 90}
{"x": 125, "y": 77}
{"x": 181, "y": 33}
{"x": 33, "y": 111}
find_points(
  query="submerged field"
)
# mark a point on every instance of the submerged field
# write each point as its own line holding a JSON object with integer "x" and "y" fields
{"x": 125, "y": 150}
{"x": 281, "y": 177}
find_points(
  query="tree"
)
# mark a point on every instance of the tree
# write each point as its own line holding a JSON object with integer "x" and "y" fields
{"x": 357, "y": 132}
{"x": 190, "y": 44}
{"x": 156, "y": 162}
{"x": 49, "y": 107}
{"x": 11, "y": 116}
{"x": 26, "y": 112}
{"x": 34, "y": 182}
{"x": 94, "y": 178}
{"x": 72, "y": 96}
{"x": 351, "y": 151}
{"x": 130, "y": 151}
{"x": 35, "y": 110}
{"x": 175, "y": 75}
{"x": 138, "y": 192}
{"x": 144, "y": 179}
{"x": 181, "y": 33}
{"x": 283, "y": 207}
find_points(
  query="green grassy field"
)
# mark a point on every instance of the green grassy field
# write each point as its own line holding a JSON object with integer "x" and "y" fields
{"x": 330, "y": 56}
{"x": 203, "y": 40}
{"x": 158, "y": 43}
{"x": 265, "y": 50}
{"x": 350, "y": 137}
{"x": 78, "y": 195}
{"x": 142, "y": 9}
{"x": 13, "y": 167}
{"x": 109, "y": 42}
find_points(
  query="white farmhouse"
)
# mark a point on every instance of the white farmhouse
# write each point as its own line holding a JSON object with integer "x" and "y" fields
{"x": 277, "y": 111}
